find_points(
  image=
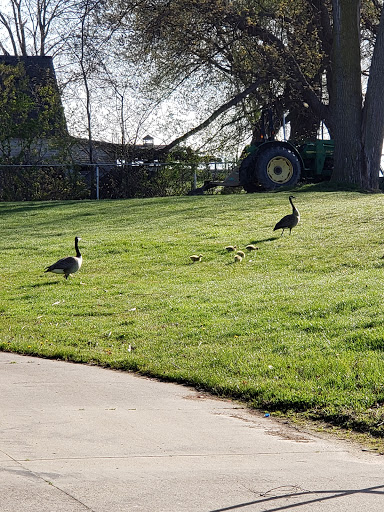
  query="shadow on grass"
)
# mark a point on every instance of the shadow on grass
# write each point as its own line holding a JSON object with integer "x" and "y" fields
{"x": 39, "y": 285}
{"x": 327, "y": 186}
{"x": 270, "y": 239}
{"x": 27, "y": 207}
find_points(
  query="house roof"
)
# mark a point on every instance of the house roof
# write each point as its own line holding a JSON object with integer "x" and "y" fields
{"x": 36, "y": 67}
{"x": 40, "y": 72}
{"x": 110, "y": 153}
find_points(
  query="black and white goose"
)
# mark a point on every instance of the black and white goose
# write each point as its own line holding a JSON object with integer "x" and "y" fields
{"x": 289, "y": 221}
{"x": 68, "y": 265}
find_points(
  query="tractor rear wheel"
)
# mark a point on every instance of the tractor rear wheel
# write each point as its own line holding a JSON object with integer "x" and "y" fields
{"x": 271, "y": 167}
{"x": 277, "y": 166}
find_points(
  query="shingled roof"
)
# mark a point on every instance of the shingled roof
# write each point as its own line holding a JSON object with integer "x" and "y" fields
{"x": 40, "y": 72}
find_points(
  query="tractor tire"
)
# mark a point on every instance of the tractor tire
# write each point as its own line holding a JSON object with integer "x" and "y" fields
{"x": 276, "y": 166}
{"x": 247, "y": 174}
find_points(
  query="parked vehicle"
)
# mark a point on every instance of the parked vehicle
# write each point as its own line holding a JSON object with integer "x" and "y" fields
{"x": 270, "y": 164}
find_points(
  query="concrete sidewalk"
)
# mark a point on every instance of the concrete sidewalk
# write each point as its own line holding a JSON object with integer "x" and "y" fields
{"x": 78, "y": 438}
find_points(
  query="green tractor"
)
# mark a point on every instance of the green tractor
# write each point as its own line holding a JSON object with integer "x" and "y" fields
{"x": 270, "y": 164}
{"x": 273, "y": 164}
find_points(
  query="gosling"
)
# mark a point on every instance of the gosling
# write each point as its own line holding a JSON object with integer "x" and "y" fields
{"x": 251, "y": 247}
{"x": 238, "y": 258}
{"x": 230, "y": 248}
{"x": 241, "y": 253}
{"x": 194, "y": 257}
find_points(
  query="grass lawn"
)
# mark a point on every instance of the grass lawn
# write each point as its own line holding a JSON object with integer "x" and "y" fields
{"x": 297, "y": 326}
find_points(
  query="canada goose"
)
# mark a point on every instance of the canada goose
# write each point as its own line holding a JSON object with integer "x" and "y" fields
{"x": 68, "y": 265}
{"x": 230, "y": 248}
{"x": 251, "y": 247}
{"x": 240, "y": 253}
{"x": 289, "y": 221}
{"x": 238, "y": 258}
{"x": 194, "y": 257}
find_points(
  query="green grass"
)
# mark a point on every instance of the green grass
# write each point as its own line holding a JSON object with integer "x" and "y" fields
{"x": 297, "y": 326}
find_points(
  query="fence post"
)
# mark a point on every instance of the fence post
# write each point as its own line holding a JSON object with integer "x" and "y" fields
{"x": 97, "y": 183}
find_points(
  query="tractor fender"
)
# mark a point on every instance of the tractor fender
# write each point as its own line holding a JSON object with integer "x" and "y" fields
{"x": 279, "y": 144}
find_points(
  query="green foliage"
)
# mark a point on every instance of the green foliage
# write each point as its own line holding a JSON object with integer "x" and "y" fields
{"x": 147, "y": 181}
{"x": 296, "y": 326}
{"x": 173, "y": 177}
{"x": 41, "y": 183}
{"x": 32, "y": 123}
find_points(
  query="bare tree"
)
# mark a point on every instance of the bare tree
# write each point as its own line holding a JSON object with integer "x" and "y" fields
{"x": 34, "y": 27}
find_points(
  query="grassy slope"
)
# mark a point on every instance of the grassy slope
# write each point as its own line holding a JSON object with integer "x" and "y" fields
{"x": 298, "y": 325}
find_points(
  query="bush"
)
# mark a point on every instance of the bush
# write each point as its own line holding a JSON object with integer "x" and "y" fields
{"x": 41, "y": 183}
{"x": 146, "y": 181}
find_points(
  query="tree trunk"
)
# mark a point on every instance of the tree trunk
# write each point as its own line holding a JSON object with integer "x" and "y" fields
{"x": 346, "y": 94}
{"x": 304, "y": 123}
{"x": 373, "y": 112}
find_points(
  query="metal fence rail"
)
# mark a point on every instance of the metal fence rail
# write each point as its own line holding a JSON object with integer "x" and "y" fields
{"x": 105, "y": 180}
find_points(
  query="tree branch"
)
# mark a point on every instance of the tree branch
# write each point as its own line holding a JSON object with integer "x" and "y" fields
{"x": 223, "y": 108}
{"x": 5, "y": 22}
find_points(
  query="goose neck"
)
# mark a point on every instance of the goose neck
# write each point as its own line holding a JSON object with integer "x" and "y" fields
{"x": 294, "y": 209}
{"x": 78, "y": 254}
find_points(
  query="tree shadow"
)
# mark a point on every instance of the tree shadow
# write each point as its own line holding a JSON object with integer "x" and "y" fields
{"x": 28, "y": 206}
{"x": 305, "y": 498}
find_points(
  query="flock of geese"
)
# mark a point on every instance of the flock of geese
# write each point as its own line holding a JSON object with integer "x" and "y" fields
{"x": 72, "y": 264}
{"x": 287, "y": 222}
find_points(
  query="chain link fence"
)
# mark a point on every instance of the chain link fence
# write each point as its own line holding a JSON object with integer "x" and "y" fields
{"x": 105, "y": 181}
